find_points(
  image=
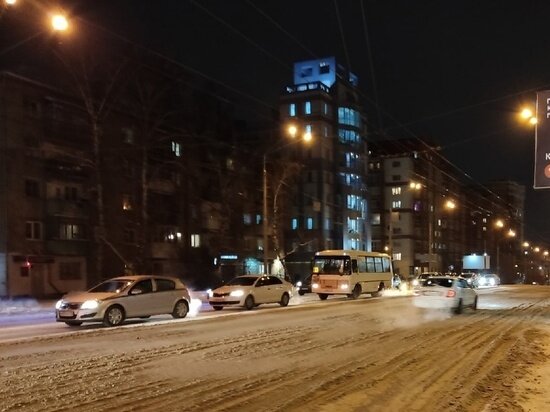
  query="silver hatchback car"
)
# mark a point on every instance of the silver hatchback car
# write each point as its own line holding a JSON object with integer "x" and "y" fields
{"x": 120, "y": 298}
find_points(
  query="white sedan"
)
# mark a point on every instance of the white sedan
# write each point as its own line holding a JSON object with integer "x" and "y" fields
{"x": 117, "y": 299}
{"x": 250, "y": 291}
{"x": 445, "y": 292}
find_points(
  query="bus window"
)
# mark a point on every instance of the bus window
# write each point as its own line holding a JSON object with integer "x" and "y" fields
{"x": 386, "y": 264}
{"x": 354, "y": 266}
{"x": 370, "y": 264}
{"x": 361, "y": 264}
{"x": 378, "y": 264}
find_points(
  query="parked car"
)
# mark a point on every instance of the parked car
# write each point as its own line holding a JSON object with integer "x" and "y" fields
{"x": 445, "y": 292}
{"x": 488, "y": 280}
{"x": 304, "y": 286}
{"x": 117, "y": 299}
{"x": 250, "y": 291}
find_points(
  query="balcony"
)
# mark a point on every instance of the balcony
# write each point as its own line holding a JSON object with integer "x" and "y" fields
{"x": 66, "y": 208}
{"x": 67, "y": 247}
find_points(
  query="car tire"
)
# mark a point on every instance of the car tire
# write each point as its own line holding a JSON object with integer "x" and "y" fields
{"x": 301, "y": 293}
{"x": 249, "y": 302}
{"x": 323, "y": 296}
{"x": 114, "y": 316}
{"x": 217, "y": 307}
{"x": 458, "y": 309}
{"x": 181, "y": 309}
{"x": 381, "y": 288}
{"x": 474, "y": 306}
{"x": 356, "y": 292}
{"x": 73, "y": 323}
{"x": 284, "y": 300}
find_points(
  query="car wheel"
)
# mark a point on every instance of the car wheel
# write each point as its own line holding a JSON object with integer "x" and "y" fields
{"x": 458, "y": 309}
{"x": 249, "y": 302}
{"x": 180, "y": 309}
{"x": 474, "y": 306}
{"x": 301, "y": 293}
{"x": 323, "y": 296}
{"x": 284, "y": 300}
{"x": 114, "y": 316}
{"x": 217, "y": 307}
{"x": 381, "y": 288}
{"x": 73, "y": 323}
{"x": 356, "y": 292}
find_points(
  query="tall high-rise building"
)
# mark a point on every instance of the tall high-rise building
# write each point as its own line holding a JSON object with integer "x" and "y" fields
{"x": 328, "y": 209}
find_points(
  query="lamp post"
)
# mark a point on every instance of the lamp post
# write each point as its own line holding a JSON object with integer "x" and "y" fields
{"x": 292, "y": 131}
{"x": 509, "y": 234}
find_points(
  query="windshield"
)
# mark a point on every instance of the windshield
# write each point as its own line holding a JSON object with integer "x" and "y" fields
{"x": 447, "y": 283}
{"x": 114, "y": 286}
{"x": 242, "y": 281}
{"x": 331, "y": 265}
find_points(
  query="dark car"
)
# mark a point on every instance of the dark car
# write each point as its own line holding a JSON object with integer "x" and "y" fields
{"x": 304, "y": 286}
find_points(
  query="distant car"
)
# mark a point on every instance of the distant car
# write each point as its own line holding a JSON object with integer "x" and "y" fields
{"x": 471, "y": 278}
{"x": 117, "y": 299}
{"x": 420, "y": 279}
{"x": 250, "y": 291}
{"x": 445, "y": 292}
{"x": 487, "y": 280}
{"x": 304, "y": 286}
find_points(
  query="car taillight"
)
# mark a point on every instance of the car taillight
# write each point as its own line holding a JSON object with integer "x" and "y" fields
{"x": 451, "y": 294}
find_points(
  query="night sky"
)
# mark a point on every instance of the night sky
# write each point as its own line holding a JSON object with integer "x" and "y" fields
{"x": 454, "y": 72}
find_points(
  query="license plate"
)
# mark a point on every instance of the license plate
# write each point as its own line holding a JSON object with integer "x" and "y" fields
{"x": 66, "y": 314}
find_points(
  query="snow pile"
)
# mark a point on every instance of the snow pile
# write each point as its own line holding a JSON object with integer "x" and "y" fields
{"x": 22, "y": 305}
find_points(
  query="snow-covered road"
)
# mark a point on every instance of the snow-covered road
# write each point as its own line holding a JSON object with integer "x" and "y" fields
{"x": 367, "y": 355}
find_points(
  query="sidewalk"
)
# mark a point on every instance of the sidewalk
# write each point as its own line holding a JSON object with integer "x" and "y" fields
{"x": 19, "y": 306}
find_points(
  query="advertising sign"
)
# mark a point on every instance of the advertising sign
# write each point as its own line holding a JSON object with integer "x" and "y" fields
{"x": 542, "y": 141}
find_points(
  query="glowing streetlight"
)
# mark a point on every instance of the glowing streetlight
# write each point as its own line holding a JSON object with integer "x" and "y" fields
{"x": 292, "y": 130}
{"x": 499, "y": 224}
{"x": 415, "y": 185}
{"x": 450, "y": 204}
{"x": 537, "y": 249}
{"x": 527, "y": 114}
{"x": 525, "y": 244}
{"x": 59, "y": 22}
{"x": 511, "y": 233}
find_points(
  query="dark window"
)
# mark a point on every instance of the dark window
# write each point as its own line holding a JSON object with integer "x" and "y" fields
{"x": 165, "y": 284}
{"x": 262, "y": 281}
{"x": 33, "y": 230}
{"x": 324, "y": 68}
{"x": 306, "y": 71}
{"x": 272, "y": 280}
{"x": 396, "y": 163}
{"x": 31, "y": 188}
{"x": 145, "y": 286}
{"x": 24, "y": 271}
{"x": 71, "y": 193}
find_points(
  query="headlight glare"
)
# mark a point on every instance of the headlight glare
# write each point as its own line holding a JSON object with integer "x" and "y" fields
{"x": 344, "y": 286}
{"x": 314, "y": 285}
{"x": 90, "y": 304}
{"x": 236, "y": 293}
{"x": 58, "y": 304}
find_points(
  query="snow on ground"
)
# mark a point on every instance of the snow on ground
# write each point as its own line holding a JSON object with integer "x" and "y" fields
{"x": 377, "y": 354}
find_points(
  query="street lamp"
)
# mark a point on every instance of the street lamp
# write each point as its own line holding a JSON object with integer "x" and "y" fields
{"x": 292, "y": 131}
{"x": 59, "y": 22}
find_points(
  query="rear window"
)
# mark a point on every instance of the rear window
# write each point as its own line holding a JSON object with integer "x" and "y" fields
{"x": 165, "y": 284}
{"x": 447, "y": 283}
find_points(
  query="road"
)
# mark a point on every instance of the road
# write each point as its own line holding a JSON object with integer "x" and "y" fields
{"x": 377, "y": 354}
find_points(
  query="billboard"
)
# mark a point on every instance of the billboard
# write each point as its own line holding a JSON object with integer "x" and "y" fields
{"x": 542, "y": 141}
{"x": 479, "y": 262}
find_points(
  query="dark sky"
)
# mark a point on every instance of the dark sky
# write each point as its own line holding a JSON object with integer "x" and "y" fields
{"x": 455, "y": 72}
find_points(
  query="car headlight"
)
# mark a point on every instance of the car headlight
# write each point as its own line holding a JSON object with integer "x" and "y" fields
{"x": 236, "y": 293}
{"x": 209, "y": 293}
{"x": 415, "y": 282}
{"x": 58, "y": 304}
{"x": 90, "y": 304}
{"x": 299, "y": 283}
{"x": 344, "y": 286}
{"x": 469, "y": 280}
{"x": 314, "y": 285}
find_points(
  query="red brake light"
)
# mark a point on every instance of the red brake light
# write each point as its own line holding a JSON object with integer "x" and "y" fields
{"x": 451, "y": 293}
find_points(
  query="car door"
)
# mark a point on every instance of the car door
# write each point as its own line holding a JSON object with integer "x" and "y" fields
{"x": 466, "y": 292}
{"x": 164, "y": 296}
{"x": 275, "y": 288}
{"x": 261, "y": 290}
{"x": 139, "y": 301}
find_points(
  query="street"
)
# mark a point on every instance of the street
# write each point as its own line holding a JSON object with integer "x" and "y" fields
{"x": 375, "y": 354}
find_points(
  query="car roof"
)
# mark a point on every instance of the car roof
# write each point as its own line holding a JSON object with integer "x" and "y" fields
{"x": 140, "y": 277}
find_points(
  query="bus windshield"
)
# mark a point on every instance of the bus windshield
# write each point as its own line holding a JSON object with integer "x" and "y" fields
{"x": 331, "y": 265}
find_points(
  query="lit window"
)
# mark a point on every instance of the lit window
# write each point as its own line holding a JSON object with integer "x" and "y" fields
{"x": 127, "y": 135}
{"x": 176, "y": 148}
{"x": 310, "y": 223}
{"x": 308, "y": 128}
{"x": 247, "y": 219}
{"x": 70, "y": 231}
{"x": 294, "y": 223}
{"x": 396, "y": 190}
{"x": 397, "y": 256}
{"x": 195, "y": 240}
{"x": 375, "y": 219}
{"x": 126, "y": 202}
{"x": 325, "y": 108}
{"x": 307, "y": 108}
{"x": 292, "y": 109}
{"x": 396, "y": 204}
